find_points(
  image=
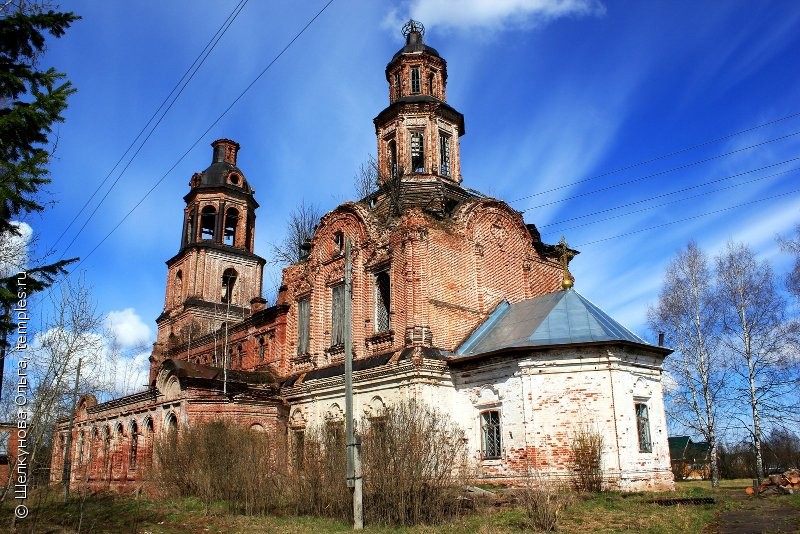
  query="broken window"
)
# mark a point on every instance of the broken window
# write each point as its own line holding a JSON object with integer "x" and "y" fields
{"x": 391, "y": 148}
{"x": 382, "y": 301}
{"x": 228, "y": 281}
{"x": 208, "y": 222}
{"x": 417, "y": 152}
{"x": 490, "y": 434}
{"x": 231, "y": 222}
{"x": 303, "y": 317}
{"x": 337, "y": 315}
{"x": 134, "y": 446}
{"x": 444, "y": 154}
{"x": 415, "y": 81}
{"x": 643, "y": 427}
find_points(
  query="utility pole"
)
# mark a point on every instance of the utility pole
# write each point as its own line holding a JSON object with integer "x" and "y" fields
{"x": 354, "y": 480}
{"x": 66, "y": 473}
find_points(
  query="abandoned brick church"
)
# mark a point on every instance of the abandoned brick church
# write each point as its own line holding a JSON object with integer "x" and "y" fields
{"x": 456, "y": 302}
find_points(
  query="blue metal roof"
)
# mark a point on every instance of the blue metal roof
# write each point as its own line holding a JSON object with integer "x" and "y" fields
{"x": 559, "y": 318}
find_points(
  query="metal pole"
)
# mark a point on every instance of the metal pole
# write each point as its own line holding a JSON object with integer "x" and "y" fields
{"x": 66, "y": 473}
{"x": 354, "y": 481}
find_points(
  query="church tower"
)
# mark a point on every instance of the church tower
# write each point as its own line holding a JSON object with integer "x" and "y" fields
{"x": 418, "y": 133}
{"x": 215, "y": 277}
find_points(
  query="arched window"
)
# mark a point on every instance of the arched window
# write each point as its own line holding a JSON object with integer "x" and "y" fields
{"x": 80, "y": 448}
{"x": 208, "y": 222}
{"x": 415, "y": 80}
{"x": 171, "y": 426}
{"x": 190, "y": 229}
{"x": 231, "y": 222}
{"x": 228, "y": 281}
{"x": 391, "y": 148}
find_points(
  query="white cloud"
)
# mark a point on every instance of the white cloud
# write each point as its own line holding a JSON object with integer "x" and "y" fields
{"x": 492, "y": 14}
{"x": 128, "y": 328}
{"x": 14, "y": 249}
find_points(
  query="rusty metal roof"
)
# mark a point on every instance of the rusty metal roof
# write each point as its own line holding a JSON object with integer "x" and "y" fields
{"x": 558, "y": 318}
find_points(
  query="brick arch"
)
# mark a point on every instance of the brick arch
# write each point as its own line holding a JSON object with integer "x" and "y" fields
{"x": 350, "y": 219}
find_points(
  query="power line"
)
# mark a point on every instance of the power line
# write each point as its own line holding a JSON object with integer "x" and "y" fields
{"x": 674, "y": 201}
{"x": 648, "y": 176}
{"x": 688, "y": 218}
{"x": 657, "y": 158}
{"x": 200, "y": 138}
{"x": 209, "y": 47}
{"x": 684, "y": 189}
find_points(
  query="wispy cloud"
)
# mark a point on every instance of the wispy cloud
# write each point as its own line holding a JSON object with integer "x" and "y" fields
{"x": 492, "y": 14}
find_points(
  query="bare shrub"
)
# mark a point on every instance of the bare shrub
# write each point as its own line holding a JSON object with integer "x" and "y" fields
{"x": 587, "y": 468}
{"x": 414, "y": 461}
{"x": 317, "y": 486}
{"x": 543, "y": 500}
{"x": 220, "y": 461}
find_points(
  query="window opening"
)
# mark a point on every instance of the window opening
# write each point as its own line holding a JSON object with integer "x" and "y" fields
{"x": 338, "y": 241}
{"x": 430, "y": 84}
{"x": 392, "y": 149}
{"x": 490, "y": 434}
{"x": 190, "y": 230}
{"x": 444, "y": 154}
{"x": 303, "y": 317}
{"x": 208, "y": 222}
{"x": 134, "y": 446}
{"x": 261, "y": 349}
{"x": 337, "y": 315}
{"x": 231, "y": 222}
{"x": 415, "y": 81}
{"x": 299, "y": 449}
{"x": 178, "y": 286}
{"x": 417, "y": 152}
{"x": 643, "y": 428}
{"x": 382, "y": 301}
{"x": 228, "y": 281}
{"x": 397, "y": 92}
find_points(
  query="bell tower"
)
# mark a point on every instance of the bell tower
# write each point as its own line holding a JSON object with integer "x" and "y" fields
{"x": 418, "y": 133}
{"x": 215, "y": 277}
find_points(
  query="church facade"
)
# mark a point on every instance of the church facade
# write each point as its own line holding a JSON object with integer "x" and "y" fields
{"x": 456, "y": 303}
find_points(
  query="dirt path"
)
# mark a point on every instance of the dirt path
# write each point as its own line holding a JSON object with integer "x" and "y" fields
{"x": 759, "y": 515}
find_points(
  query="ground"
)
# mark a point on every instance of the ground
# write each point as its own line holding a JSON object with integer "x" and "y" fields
{"x": 733, "y": 512}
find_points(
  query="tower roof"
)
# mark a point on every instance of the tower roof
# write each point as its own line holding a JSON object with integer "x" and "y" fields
{"x": 414, "y": 33}
{"x": 558, "y": 318}
{"x": 223, "y": 170}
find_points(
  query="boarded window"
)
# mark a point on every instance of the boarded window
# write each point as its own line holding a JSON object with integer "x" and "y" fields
{"x": 382, "y": 301}
{"x": 415, "y": 80}
{"x": 643, "y": 428}
{"x": 337, "y": 315}
{"x": 444, "y": 154}
{"x": 490, "y": 434}
{"x": 208, "y": 222}
{"x": 417, "y": 152}
{"x": 303, "y": 317}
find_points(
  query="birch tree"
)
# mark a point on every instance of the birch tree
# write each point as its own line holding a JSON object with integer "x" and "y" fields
{"x": 689, "y": 315}
{"x": 755, "y": 335}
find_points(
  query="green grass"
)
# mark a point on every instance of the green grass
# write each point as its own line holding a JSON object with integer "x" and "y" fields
{"x": 605, "y": 512}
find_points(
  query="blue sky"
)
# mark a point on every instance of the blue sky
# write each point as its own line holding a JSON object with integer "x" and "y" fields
{"x": 554, "y": 92}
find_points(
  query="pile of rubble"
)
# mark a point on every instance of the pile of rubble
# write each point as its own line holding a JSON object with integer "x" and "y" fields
{"x": 786, "y": 483}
